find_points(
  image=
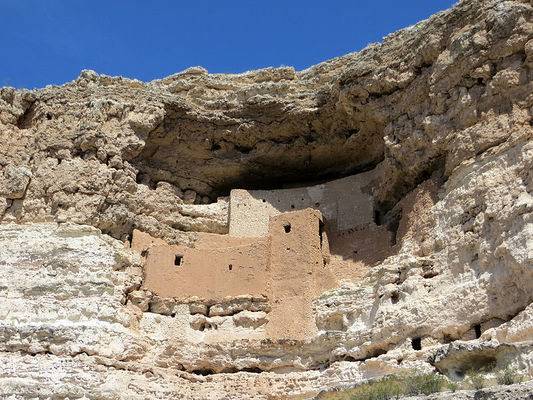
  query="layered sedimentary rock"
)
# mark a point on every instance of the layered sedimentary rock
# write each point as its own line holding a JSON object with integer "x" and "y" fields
{"x": 411, "y": 162}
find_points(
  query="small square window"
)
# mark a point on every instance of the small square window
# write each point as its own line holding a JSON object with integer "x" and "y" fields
{"x": 178, "y": 260}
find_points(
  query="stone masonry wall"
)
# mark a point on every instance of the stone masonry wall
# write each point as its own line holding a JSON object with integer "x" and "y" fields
{"x": 345, "y": 203}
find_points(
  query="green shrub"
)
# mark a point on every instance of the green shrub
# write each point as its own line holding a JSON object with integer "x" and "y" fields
{"x": 477, "y": 378}
{"x": 508, "y": 375}
{"x": 387, "y": 388}
{"x": 392, "y": 387}
{"x": 453, "y": 386}
{"x": 418, "y": 382}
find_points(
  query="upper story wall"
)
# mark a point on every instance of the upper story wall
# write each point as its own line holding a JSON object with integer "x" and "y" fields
{"x": 345, "y": 203}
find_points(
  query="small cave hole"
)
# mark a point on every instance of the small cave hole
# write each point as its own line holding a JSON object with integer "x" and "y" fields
{"x": 399, "y": 361}
{"x": 355, "y": 251}
{"x": 243, "y": 149}
{"x": 25, "y": 121}
{"x": 477, "y": 330}
{"x": 395, "y": 297}
{"x": 377, "y": 352}
{"x": 139, "y": 178}
{"x": 351, "y": 132}
{"x": 287, "y": 228}
{"x": 144, "y": 253}
{"x": 263, "y": 200}
{"x": 215, "y": 147}
{"x": 230, "y": 267}
{"x": 480, "y": 81}
{"x": 254, "y": 370}
{"x": 178, "y": 260}
{"x": 203, "y": 372}
{"x": 378, "y": 218}
{"x": 393, "y": 226}
{"x": 173, "y": 314}
{"x": 475, "y": 362}
{"x": 292, "y": 205}
{"x": 317, "y": 205}
{"x": 416, "y": 343}
{"x": 48, "y": 116}
{"x": 201, "y": 327}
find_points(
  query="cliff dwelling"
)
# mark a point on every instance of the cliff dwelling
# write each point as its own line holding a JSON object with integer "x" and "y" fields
{"x": 283, "y": 249}
{"x": 276, "y": 234}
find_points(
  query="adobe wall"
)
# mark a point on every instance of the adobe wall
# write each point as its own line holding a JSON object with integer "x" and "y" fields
{"x": 218, "y": 267}
{"x": 345, "y": 203}
{"x": 221, "y": 265}
{"x": 298, "y": 273}
{"x": 287, "y": 268}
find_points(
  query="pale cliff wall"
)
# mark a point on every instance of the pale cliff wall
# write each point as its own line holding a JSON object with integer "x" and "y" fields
{"x": 442, "y": 110}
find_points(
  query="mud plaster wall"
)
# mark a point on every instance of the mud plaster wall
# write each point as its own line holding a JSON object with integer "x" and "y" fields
{"x": 287, "y": 267}
{"x": 219, "y": 266}
{"x": 298, "y": 273}
{"x": 345, "y": 203}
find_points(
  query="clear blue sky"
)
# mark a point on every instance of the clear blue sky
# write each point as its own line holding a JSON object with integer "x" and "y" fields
{"x": 50, "y": 41}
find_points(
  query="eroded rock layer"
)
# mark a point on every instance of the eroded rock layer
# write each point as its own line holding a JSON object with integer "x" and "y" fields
{"x": 114, "y": 193}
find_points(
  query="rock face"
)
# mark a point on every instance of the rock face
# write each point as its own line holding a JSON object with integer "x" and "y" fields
{"x": 426, "y": 243}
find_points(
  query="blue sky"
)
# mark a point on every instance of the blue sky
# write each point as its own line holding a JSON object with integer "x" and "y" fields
{"x": 50, "y": 41}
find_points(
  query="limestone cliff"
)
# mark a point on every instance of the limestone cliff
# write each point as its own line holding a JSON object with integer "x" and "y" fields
{"x": 415, "y": 154}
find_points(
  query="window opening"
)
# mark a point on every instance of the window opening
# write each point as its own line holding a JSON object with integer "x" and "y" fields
{"x": 477, "y": 329}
